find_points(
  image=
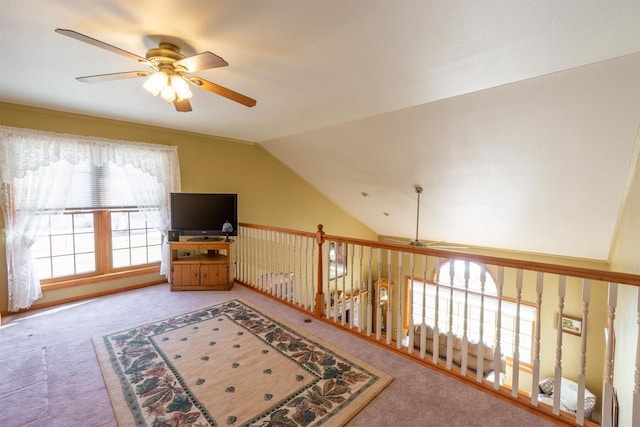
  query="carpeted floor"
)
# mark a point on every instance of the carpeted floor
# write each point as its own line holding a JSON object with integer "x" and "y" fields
{"x": 50, "y": 376}
{"x": 231, "y": 364}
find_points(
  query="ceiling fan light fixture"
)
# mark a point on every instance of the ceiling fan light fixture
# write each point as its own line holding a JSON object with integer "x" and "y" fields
{"x": 156, "y": 83}
{"x": 181, "y": 87}
{"x": 168, "y": 94}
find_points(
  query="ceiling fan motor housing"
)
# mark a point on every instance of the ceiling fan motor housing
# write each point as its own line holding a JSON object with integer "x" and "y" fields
{"x": 164, "y": 58}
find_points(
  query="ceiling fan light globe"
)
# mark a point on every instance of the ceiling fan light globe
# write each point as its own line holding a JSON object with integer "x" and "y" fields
{"x": 168, "y": 94}
{"x": 181, "y": 87}
{"x": 156, "y": 83}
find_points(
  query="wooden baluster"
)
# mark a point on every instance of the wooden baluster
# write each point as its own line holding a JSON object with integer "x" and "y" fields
{"x": 288, "y": 266}
{"x": 249, "y": 261}
{"x": 586, "y": 291}
{"x": 607, "y": 399}
{"x": 378, "y": 305}
{"x": 450, "y": 337}
{"x": 351, "y": 290}
{"x": 343, "y": 257}
{"x": 399, "y": 301}
{"x": 370, "y": 297}
{"x": 515, "y": 384}
{"x": 423, "y": 324}
{"x": 319, "y": 302}
{"x": 269, "y": 253}
{"x": 480, "y": 361}
{"x": 497, "y": 355}
{"x": 255, "y": 250}
{"x": 302, "y": 289}
{"x": 332, "y": 293}
{"x": 436, "y": 316}
{"x": 266, "y": 251}
{"x": 309, "y": 270}
{"x": 361, "y": 321}
{"x": 535, "y": 380}
{"x": 261, "y": 269}
{"x": 293, "y": 274}
{"x": 410, "y": 305}
{"x": 465, "y": 322}
{"x": 390, "y": 292}
{"x": 635, "y": 415}
{"x": 557, "y": 380}
{"x": 275, "y": 265}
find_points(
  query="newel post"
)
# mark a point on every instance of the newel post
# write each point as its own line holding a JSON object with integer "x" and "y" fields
{"x": 319, "y": 294}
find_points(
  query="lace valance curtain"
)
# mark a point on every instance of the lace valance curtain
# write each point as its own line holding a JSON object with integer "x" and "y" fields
{"x": 44, "y": 164}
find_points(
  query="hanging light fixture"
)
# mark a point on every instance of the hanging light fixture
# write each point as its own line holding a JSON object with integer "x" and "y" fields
{"x": 169, "y": 87}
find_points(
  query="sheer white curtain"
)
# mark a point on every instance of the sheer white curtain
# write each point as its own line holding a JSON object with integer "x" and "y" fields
{"x": 44, "y": 164}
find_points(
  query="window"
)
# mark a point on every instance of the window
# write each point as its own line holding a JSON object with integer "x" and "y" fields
{"x": 97, "y": 234}
{"x": 133, "y": 241}
{"x": 71, "y": 244}
{"x": 77, "y": 206}
{"x": 451, "y": 299}
{"x": 337, "y": 260}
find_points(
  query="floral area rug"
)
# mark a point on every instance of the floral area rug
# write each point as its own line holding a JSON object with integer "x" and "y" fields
{"x": 230, "y": 364}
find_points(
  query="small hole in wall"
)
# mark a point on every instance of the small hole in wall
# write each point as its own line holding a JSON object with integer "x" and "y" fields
{"x": 307, "y": 320}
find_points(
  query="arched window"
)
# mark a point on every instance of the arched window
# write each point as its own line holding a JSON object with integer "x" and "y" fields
{"x": 479, "y": 305}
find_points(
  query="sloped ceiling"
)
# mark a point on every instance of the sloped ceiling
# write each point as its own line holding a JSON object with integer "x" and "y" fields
{"x": 519, "y": 118}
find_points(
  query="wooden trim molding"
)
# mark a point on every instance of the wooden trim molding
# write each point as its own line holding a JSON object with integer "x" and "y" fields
{"x": 83, "y": 297}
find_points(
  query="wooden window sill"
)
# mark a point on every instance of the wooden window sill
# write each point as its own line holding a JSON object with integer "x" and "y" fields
{"x": 77, "y": 281}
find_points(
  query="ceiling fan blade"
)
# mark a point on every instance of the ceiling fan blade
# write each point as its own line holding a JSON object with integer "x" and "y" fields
{"x": 223, "y": 91}
{"x": 182, "y": 105}
{"x": 98, "y": 43}
{"x": 99, "y": 78}
{"x": 202, "y": 61}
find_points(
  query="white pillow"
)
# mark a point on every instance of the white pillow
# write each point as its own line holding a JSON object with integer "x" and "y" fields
{"x": 568, "y": 392}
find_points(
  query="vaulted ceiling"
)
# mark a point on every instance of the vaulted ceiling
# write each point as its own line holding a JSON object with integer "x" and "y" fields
{"x": 518, "y": 118}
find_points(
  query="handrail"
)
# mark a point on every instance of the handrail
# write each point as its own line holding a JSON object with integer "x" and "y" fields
{"x": 564, "y": 270}
{"x": 279, "y": 229}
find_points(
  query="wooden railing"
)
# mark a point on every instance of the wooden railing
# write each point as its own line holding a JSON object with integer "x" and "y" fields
{"x": 540, "y": 327}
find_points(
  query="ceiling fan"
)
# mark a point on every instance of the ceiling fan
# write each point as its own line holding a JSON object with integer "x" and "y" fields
{"x": 170, "y": 73}
{"x": 419, "y": 243}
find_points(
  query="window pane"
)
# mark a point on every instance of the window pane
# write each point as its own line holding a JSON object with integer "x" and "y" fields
{"x": 42, "y": 247}
{"x": 120, "y": 239}
{"x": 135, "y": 245}
{"x": 62, "y": 244}
{"x": 62, "y": 224}
{"x": 84, "y": 242}
{"x": 453, "y": 301}
{"x": 137, "y": 220}
{"x": 43, "y": 268}
{"x": 121, "y": 258}
{"x": 154, "y": 237}
{"x": 138, "y": 256}
{"x": 63, "y": 266}
{"x": 83, "y": 222}
{"x": 119, "y": 220}
{"x": 85, "y": 263}
{"x": 138, "y": 238}
{"x": 154, "y": 253}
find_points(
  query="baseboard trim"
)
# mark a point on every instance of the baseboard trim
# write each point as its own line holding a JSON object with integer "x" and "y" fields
{"x": 81, "y": 297}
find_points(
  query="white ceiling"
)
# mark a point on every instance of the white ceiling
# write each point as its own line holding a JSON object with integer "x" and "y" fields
{"x": 519, "y": 118}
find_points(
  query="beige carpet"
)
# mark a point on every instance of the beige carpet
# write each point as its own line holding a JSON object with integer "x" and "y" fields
{"x": 230, "y": 364}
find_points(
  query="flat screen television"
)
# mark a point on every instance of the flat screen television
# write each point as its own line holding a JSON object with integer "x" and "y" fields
{"x": 203, "y": 214}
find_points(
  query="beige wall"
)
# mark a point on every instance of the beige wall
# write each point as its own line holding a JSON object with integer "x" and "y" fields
{"x": 269, "y": 192}
{"x": 626, "y": 257}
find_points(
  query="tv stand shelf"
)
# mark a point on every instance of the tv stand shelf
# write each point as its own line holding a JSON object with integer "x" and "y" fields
{"x": 209, "y": 265}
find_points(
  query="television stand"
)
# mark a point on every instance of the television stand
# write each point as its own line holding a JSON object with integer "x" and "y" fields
{"x": 209, "y": 266}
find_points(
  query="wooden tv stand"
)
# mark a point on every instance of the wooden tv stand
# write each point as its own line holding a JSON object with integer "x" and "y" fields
{"x": 208, "y": 265}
